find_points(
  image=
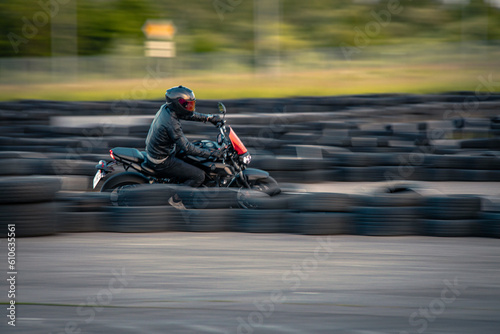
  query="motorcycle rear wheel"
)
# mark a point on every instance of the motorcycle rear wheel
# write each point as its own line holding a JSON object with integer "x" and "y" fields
{"x": 122, "y": 180}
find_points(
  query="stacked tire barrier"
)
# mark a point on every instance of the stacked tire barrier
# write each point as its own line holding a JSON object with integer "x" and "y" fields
{"x": 317, "y": 139}
{"x": 322, "y": 213}
{"x": 390, "y": 211}
{"x": 396, "y": 209}
{"x": 48, "y": 151}
{"x": 82, "y": 211}
{"x": 490, "y": 217}
{"x": 29, "y": 204}
{"x": 451, "y": 216}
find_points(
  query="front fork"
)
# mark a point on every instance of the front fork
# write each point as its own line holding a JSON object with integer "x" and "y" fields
{"x": 241, "y": 178}
{"x": 244, "y": 179}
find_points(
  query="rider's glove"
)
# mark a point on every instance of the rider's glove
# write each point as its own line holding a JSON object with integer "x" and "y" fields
{"x": 217, "y": 154}
{"x": 214, "y": 119}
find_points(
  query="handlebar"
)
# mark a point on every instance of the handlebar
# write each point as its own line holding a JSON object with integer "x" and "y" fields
{"x": 221, "y": 123}
{"x": 224, "y": 154}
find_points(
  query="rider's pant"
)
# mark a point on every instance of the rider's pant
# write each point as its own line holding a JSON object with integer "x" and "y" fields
{"x": 173, "y": 167}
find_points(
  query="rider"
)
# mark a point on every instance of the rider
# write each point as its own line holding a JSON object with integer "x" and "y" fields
{"x": 165, "y": 137}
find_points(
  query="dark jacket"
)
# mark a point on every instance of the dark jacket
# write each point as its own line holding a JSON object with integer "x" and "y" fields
{"x": 165, "y": 136}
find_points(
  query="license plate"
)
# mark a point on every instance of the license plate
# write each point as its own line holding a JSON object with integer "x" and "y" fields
{"x": 98, "y": 176}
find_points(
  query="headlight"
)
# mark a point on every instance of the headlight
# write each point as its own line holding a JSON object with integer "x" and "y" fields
{"x": 246, "y": 158}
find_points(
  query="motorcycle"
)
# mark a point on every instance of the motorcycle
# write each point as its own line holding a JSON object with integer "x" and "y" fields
{"x": 231, "y": 170}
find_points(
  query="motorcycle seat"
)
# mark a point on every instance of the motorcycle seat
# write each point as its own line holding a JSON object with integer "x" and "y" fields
{"x": 129, "y": 154}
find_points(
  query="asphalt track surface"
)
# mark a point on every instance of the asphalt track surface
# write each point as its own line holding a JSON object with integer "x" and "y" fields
{"x": 253, "y": 283}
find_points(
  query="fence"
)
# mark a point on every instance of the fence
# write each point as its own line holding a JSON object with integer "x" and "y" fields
{"x": 73, "y": 69}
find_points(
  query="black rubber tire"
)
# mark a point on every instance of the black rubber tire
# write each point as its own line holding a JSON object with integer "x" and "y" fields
{"x": 215, "y": 220}
{"x": 146, "y": 195}
{"x": 22, "y": 155}
{"x": 450, "y": 228}
{"x": 490, "y": 224}
{"x": 319, "y": 223}
{"x": 392, "y": 200}
{"x": 31, "y": 220}
{"x": 386, "y": 211}
{"x": 386, "y": 221}
{"x": 482, "y": 143}
{"x": 81, "y": 221}
{"x": 70, "y": 166}
{"x": 83, "y": 201}
{"x": 387, "y": 227}
{"x": 477, "y": 162}
{"x": 452, "y": 207}
{"x": 28, "y": 189}
{"x": 311, "y": 176}
{"x": 259, "y": 221}
{"x": 290, "y": 163}
{"x": 364, "y": 174}
{"x": 267, "y": 185}
{"x": 442, "y": 174}
{"x": 324, "y": 202}
{"x": 366, "y": 159}
{"x": 14, "y": 167}
{"x": 397, "y": 193}
{"x": 209, "y": 198}
{"x": 140, "y": 219}
{"x": 471, "y": 175}
{"x": 490, "y": 204}
{"x": 123, "y": 179}
{"x": 250, "y": 199}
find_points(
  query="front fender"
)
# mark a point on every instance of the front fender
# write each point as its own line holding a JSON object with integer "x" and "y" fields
{"x": 253, "y": 174}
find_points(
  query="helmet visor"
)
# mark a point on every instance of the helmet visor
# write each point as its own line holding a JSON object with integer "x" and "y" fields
{"x": 188, "y": 105}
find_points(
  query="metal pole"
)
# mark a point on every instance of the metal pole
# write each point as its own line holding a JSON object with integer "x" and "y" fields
{"x": 64, "y": 42}
{"x": 266, "y": 30}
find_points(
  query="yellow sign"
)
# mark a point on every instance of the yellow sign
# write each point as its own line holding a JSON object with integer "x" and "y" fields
{"x": 158, "y": 29}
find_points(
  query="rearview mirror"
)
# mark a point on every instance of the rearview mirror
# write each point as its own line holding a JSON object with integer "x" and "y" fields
{"x": 222, "y": 108}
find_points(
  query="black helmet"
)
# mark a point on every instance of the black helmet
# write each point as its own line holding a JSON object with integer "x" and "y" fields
{"x": 181, "y": 100}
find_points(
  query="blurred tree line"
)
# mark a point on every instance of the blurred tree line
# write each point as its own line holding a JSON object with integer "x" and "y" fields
{"x": 114, "y": 26}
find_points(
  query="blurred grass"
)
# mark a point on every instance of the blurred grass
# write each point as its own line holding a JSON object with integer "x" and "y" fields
{"x": 365, "y": 79}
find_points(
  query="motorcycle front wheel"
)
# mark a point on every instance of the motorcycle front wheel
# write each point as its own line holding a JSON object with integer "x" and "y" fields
{"x": 267, "y": 185}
